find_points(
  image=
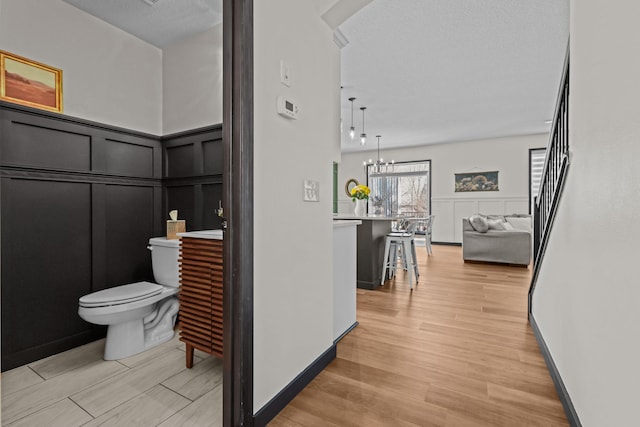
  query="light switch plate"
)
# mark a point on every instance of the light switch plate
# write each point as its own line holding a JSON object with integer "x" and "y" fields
{"x": 311, "y": 191}
{"x": 285, "y": 73}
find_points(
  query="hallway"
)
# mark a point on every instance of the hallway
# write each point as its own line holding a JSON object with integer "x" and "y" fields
{"x": 458, "y": 351}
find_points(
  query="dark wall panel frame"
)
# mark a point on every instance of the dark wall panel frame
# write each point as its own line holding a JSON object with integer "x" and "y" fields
{"x": 41, "y": 211}
{"x": 189, "y": 158}
{"x": 112, "y": 162}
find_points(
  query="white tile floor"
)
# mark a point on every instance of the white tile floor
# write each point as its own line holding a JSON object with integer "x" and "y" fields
{"x": 78, "y": 388}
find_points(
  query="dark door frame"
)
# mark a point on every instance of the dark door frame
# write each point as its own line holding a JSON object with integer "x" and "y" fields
{"x": 238, "y": 210}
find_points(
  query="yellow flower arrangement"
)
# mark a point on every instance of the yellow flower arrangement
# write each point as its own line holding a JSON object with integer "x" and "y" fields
{"x": 360, "y": 192}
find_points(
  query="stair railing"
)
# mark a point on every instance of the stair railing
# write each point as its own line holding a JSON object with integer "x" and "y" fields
{"x": 555, "y": 169}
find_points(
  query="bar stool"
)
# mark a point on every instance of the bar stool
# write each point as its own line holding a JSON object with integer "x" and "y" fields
{"x": 404, "y": 243}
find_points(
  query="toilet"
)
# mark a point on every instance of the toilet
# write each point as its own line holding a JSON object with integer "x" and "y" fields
{"x": 139, "y": 315}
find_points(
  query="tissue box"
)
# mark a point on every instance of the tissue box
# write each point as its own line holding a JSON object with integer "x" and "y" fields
{"x": 174, "y": 227}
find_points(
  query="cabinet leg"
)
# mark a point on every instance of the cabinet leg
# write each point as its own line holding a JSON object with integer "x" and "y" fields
{"x": 189, "y": 352}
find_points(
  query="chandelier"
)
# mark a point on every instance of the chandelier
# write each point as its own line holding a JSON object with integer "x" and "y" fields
{"x": 379, "y": 166}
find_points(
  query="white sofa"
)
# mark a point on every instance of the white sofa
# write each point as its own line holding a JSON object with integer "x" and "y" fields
{"x": 497, "y": 238}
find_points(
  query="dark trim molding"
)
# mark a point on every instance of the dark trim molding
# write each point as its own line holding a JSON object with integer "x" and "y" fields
{"x": 191, "y": 132}
{"x": 569, "y": 410}
{"x": 73, "y": 120}
{"x": 446, "y": 243}
{"x": 282, "y": 399}
{"x": 345, "y": 332}
{"x": 237, "y": 105}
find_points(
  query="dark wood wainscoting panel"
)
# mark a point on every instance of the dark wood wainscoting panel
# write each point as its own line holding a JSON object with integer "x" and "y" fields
{"x": 182, "y": 199}
{"x": 129, "y": 225}
{"x": 193, "y": 176}
{"x": 49, "y": 147}
{"x": 179, "y": 161}
{"x": 212, "y": 156}
{"x": 46, "y": 262}
{"x": 79, "y": 202}
{"x": 130, "y": 159}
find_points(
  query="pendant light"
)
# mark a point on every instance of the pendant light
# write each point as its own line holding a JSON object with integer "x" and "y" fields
{"x": 363, "y": 136}
{"x": 352, "y": 130}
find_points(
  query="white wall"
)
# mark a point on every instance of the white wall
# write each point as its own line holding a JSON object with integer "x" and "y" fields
{"x": 109, "y": 76}
{"x": 293, "y": 305}
{"x": 509, "y": 156}
{"x": 192, "y": 82}
{"x": 587, "y": 295}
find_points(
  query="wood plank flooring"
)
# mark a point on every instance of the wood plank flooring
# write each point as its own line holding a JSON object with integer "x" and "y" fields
{"x": 78, "y": 388}
{"x": 455, "y": 351}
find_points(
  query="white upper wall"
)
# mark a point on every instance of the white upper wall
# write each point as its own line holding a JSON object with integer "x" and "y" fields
{"x": 192, "y": 82}
{"x": 509, "y": 156}
{"x": 109, "y": 76}
{"x": 293, "y": 295}
{"x": 112, "y": 77}
{"x": 587, "y": 294}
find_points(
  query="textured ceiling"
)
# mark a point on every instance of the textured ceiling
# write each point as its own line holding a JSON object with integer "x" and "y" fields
{"x": 158, "y": 22}
{"x": 432, "y": 71}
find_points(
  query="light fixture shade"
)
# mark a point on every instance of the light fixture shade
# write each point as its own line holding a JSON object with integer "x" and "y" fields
{"x": 352, "y": 130}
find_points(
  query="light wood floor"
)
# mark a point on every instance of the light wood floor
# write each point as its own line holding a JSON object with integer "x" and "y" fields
{"x": 456, "y": 351}
{"x": 78, "y": 388}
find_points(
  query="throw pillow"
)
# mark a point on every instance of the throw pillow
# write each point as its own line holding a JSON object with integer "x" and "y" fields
{"x": 479, "y": 223}
{"x": 507, "y": 226}
{"x": 496, "y": 224}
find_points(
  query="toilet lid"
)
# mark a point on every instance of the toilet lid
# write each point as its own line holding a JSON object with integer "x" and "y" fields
{"x": 121, "y": 294}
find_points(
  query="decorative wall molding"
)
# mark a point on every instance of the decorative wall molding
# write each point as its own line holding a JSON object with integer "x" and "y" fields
{"x": 449, "y": 211}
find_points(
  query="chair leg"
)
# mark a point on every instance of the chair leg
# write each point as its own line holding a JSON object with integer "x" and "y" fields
{"x": 415, "y": 259}
{"x": 385, "y": 259}
{"x": 428, "y": 241}
{"x": 407, "y": 252}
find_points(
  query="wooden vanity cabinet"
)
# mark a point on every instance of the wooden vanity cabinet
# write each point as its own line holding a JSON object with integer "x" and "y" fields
{"x": 201, "y": 278}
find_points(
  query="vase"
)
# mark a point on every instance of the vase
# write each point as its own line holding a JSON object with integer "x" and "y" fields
{"x": 361, "y": 207}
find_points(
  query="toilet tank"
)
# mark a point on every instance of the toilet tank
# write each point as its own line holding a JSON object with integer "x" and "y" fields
{"x": 164, "y": 259}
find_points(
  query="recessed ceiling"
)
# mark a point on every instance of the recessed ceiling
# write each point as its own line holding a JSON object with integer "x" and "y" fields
{"x": 433, "y": 71}
{"x": 158, "y": 22}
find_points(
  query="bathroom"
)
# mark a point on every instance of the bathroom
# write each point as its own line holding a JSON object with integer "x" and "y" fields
{"x": 83, "y": 193}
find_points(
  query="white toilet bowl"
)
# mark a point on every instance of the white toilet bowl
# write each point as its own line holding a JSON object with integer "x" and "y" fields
{"x": 139, "y": 315}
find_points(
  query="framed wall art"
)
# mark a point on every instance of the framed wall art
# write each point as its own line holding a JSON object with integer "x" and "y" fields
{"x": 477, "y": 181}
{"x": 30, "y": 83}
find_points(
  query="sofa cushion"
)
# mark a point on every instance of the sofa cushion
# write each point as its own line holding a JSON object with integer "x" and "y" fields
{"x": 520, "y": 223}
{"x": 479, "y": 223}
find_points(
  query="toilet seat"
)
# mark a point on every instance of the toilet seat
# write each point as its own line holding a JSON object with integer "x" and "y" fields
{"x": 121, "y": 295}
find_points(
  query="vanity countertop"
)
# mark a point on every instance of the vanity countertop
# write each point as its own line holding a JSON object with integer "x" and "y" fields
{"x": 203, "y": 234}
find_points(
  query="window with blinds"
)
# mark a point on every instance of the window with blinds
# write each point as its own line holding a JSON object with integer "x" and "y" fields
{"x": 536, "y": 165}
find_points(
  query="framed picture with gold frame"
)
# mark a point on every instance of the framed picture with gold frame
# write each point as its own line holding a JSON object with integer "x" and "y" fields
{"x": 30, "y": 83}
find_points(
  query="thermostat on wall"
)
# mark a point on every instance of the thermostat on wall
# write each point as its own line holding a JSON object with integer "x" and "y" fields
{"x": 287, "y": 108}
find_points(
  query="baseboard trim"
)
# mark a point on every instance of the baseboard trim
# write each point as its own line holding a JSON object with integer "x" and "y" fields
{"x": 349, "y": 329}
{"x": 447, "y": 243}
{"x": 569, "y": 410}
{"x": 282, "y": 399}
